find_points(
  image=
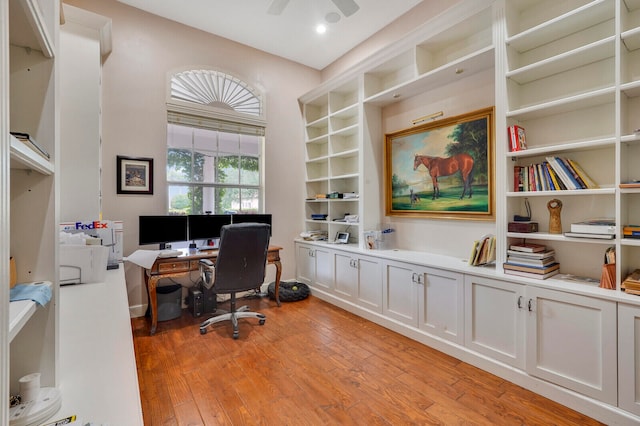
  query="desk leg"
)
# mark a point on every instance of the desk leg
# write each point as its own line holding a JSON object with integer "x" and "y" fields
{"x": 152, "y": 283}
{"x": 277, "y": 284}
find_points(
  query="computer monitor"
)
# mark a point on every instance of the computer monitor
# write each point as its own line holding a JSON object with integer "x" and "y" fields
{"x": 162, "y": 230}
{"x": 207, "y": 226}
{"x": 257, "y": 218}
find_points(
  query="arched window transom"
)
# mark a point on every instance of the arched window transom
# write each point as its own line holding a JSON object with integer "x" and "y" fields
{"x": 216, "y": 89}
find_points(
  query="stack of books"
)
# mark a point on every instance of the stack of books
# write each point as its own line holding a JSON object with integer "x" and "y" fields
{"x": 552, "y": 175}
{"x": 631, "y": 231}
{"x": 631, "y": 284}
{"x": 483, "y": 251}
{"x": 604, "y": 229}
{"x": 531, "y": 260}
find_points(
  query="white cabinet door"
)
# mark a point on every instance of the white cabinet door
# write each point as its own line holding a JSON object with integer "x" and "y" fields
{"x": 629, "y": 358}
{"x": 572, "y": 341}
{"x": 305, "y": 264}
{"x": 495, "y": 320}
{"x": 400, "y": 297}
{"x": 441, "y": 297}
{"x": 323, "y": 262}
{"x": 370, "y": 283}
{"x": 314, "y": 267}
{"x": 346, "y": 275}
{"x": 358, "y": 279}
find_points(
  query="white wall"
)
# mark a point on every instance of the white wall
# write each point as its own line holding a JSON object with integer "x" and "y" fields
{"x": 145, "y": 49}
{"x": 79, "y": 122}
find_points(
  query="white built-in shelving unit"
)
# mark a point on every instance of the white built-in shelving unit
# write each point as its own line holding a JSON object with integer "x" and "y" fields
{"x": 343, "y": 132}
{"x": 572, "y": 82}
{"x": 29, "y": 190}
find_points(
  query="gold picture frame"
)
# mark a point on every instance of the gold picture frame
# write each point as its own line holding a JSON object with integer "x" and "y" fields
{"x": 443, "y": 169}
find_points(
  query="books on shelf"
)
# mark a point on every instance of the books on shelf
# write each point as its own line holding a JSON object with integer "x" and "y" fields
{"x": 517, "y": 259}
{"x": 531, "y": 260}
{"x": 528, "y": 247}
{"x": 28, "y": 140}
{"x": 554, "y": 174}
{"x": 589, "y": 235}
{"x": 631, "y": 231}
{"x": 595, "y": 226}
{"x": 631, "y": 284}
{"x": 531, "y": 255}
{"x": 541, "y": 270}
{"x": 532, "y": 274}
{"x": 483, "y": 251}
{"x": 517, "y": 138}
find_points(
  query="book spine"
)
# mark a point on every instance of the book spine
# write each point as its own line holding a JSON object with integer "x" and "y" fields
{"x": 522, "y": 140}
{"x": 532, "y": 178}
{"x": 513, "y": 141}
{"x": 572, "y": 173}
{"x": 583, "y": 175}
{"x": 556, "y": 165}
{"x": 517, "y": 181}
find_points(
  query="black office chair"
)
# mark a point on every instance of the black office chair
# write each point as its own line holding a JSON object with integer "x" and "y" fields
{"x": 240, "y": 266}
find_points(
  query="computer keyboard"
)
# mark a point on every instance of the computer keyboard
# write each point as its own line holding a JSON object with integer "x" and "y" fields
{"x": 169, "y": 253}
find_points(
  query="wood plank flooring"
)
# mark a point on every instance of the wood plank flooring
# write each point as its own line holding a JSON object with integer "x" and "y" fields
{"x": 315, "y": 364}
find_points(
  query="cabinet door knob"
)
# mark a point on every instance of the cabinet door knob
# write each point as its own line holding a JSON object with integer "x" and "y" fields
{"x": 519, "y": 302}
{"x": 530, "y": 305}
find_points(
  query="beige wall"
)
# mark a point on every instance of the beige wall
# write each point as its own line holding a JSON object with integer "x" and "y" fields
{"x": 145, "y": 49}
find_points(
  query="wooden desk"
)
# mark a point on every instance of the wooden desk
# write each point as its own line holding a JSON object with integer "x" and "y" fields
{"x": 174, "y": 267}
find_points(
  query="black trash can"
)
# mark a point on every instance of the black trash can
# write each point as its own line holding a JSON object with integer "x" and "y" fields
{"x": 169, "y": 299}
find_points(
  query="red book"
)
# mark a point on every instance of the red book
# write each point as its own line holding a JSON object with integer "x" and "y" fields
{"x": 517, "y": 139}
{"x": 517, "y": 178}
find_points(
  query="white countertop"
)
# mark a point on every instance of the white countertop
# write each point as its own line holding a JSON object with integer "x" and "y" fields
{"x": 98, "y": 378}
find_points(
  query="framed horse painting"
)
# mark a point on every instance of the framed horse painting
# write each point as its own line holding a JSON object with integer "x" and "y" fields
{"x": 442, "y": 169}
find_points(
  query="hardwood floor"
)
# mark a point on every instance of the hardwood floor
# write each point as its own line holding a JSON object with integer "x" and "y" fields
{"x": 315, "y": 364}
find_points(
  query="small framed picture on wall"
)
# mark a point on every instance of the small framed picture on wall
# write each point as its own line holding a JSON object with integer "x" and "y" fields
{"x": 135, "y": 175}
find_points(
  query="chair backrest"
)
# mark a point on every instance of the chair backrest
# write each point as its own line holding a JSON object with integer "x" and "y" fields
{"x": 242, "y": 257}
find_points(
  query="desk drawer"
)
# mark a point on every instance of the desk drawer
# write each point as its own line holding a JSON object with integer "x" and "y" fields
{"x": 175, "y": 266}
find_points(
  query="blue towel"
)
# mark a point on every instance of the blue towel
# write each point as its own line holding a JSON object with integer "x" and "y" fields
{"x": 39, "y": 293}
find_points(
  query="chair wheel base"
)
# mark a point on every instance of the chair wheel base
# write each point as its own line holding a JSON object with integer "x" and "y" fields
{"x": 261, "y": 322}
{"x": 203, "y": 331}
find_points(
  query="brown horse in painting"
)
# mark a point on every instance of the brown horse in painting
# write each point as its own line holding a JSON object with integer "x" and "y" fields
{"x": 439, "y": 166}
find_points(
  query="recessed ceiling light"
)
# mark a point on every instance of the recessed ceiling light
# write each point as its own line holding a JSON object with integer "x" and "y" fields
{"x": 321, "y": 29}
{"x": 332, "y": 17}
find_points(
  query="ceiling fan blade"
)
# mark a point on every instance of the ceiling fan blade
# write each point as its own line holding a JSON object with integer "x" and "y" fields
{"x": 277, "y": 6}
{"x": 347, "y": 7}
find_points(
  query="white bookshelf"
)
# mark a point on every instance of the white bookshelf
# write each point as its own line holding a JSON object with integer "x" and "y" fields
{"x": 29, "y": 192}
